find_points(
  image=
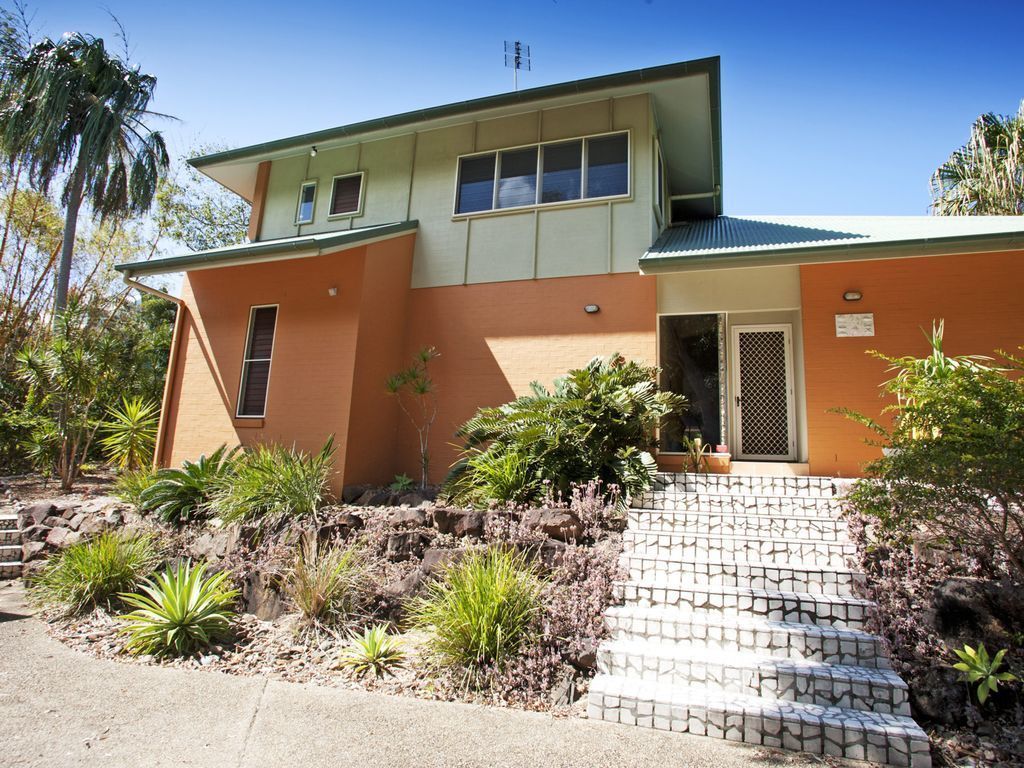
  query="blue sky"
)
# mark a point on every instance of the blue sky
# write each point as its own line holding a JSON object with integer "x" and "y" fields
{"x": 827, "y": 107}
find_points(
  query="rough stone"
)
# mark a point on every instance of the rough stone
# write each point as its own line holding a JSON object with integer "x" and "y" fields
{"x": 411, "y": 499}
{"x": 350, "y": 493}
{"x": 436, "y": 559}
{"x": 406, "y": 586}
{"x": 402, "y": 546}
{"x": 559, "y": 524}
{"x": 55, "y": 521}
{"x": 76, "y": 522}
{"x": 584, "y": 658}
{"x": 407, "y": 518}
{"x": 93, "y": 525}
{"x": 373, "y": 498}
{"x": 35, "y": 514}
{"x": 446, "y": 517}
{"x": 262, "y": 595}
{"x": 35, "y": 533}
{"x": 31, "y": 550}
{"x": 216, "y": 544}
{"x": 62, "y": 537}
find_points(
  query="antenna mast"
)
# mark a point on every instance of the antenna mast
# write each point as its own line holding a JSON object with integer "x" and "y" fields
{"x": 517, "y": 57}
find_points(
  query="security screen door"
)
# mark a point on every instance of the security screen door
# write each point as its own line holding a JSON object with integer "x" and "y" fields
{"x": 763, "y": 392}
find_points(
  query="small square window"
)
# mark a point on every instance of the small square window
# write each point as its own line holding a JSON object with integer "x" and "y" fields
{"x": 347, "y": 195}
{"x": 307, "y": 196}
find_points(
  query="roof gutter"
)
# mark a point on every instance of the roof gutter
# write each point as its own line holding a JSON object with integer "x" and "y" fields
{"x": 927, "y": 246}
{"x": 172, "y": 362}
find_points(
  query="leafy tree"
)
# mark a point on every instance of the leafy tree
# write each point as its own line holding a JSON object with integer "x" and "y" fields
{"x": 130, "y": 433}
{"x": 985, "y": 177}
{"x": 953, "y": 465}
{"x": 597, "y": 424}
{"x": 71, "y": 111}
{"x": 198, "y": 212}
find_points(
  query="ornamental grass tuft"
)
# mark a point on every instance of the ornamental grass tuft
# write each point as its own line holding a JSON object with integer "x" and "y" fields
{"x": 328, "y": 584}
{"x": 93, "y": 572}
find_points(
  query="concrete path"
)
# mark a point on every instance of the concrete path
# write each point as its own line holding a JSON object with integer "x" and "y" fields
{"x": 62, "y": 708}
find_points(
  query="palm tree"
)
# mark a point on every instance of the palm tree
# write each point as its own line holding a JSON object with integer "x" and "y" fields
{"x": 73, "y": 111}
{"x": 985, "y": 177}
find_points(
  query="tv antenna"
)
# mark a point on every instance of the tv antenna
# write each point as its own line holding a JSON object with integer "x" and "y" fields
{"x": 517, "y": 57}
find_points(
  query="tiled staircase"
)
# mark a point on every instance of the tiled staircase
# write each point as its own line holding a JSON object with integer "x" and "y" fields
{"x": 10, "y": 547}
{"x": 740, "y": 621}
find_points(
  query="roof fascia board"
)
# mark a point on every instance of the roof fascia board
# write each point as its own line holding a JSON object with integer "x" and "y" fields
{"x": 254, "y": 254}
{"x": 709, "y": 66}
{"x": 848, "y": 252}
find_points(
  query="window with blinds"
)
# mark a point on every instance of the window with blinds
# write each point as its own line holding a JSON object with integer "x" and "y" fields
{"x": 259, "y": 345}
{"x": 347, "y": 195}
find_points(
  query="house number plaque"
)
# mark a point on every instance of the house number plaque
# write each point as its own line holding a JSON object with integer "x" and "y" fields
{"x": 861, "y": 324}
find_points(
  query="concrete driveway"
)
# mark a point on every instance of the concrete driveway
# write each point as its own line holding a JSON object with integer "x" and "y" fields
{"x": 62, "y": 708}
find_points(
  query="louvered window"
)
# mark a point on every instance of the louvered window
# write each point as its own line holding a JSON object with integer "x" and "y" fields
{"x": 259, "y": 345}
{"x": 347, "y": 195}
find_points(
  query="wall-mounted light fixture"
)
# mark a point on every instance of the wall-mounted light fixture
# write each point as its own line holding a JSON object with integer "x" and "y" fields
{"x": 312, "y": 152}
{"x": 853, "y": 296}
{"x": 332, "y": 291}
{"x": 592, "y": 309}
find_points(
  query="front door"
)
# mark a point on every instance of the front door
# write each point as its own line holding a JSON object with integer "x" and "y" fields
{"x": 763, "y": 392}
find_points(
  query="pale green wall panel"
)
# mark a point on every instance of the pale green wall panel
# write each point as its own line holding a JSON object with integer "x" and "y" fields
{"x": 501, "y": 248}
{"x": 506, "y": 131}
{"x": 573, "y": 241}
{"x": 567, "y": 122}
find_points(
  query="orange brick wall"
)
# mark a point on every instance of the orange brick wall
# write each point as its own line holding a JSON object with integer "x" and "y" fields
{"x": 495, "y": 338}
{"x": 977, "y": 295}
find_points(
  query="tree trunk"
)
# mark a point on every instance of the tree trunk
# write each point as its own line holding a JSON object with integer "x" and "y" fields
{"x": 60, "y": 301}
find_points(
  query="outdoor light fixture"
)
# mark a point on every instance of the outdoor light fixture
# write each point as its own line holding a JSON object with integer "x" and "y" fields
{"x": 332, "y": 291}
{"x": 312, "y": 152}
{"x": 591, "y": 309}
{"x": 853, "y": 296}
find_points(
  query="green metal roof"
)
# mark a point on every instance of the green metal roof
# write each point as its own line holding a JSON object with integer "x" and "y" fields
{"x": 267, "y": 250}
{"x": 727, "y": 241}
{"x": 709, "y": 66}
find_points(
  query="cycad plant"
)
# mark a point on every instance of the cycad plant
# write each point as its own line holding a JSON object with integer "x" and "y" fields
{"x": 130, "y": 433}
{"x": 596, "y": 424}
{"x": 183, "y": 495}
{"x": 179, "y": 612}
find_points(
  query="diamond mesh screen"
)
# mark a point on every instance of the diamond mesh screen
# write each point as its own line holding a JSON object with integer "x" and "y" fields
{"x": 764, "y": 424}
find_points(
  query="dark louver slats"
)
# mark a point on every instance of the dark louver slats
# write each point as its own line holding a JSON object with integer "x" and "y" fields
{"x": 256, "y": 371}
{"x": 345, "y": 198}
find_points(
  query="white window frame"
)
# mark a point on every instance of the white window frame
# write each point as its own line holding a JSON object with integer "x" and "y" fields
{"x": 582, "y": 200}
{"x": 298, "y": 205}
{"x": 362, "y": 193}
{"x": 246, "y": 360}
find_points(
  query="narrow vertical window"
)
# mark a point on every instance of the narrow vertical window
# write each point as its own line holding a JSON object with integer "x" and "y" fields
{"x": 563, "y": 167}
{"x": 517, "y": 184}
{"x": 608, "y": 166}
{"x": 259, "y": 346}
{"x": 476, "y": 184}
{"x": 307, "y": 195}
{"x": 347, "y": 195}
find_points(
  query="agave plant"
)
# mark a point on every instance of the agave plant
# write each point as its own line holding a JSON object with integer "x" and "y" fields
{"x": 179, "y": 612}
{"x": 373, "y": 651}
{"x": 130, "y": 433}
{"x": 183, "y": 495}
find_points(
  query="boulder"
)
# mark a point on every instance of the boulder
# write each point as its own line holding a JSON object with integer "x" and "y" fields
{"x": 407, "y": 518}
{"x": 559, "y": 524}
{"x": 435, "y": 560}
{"x": 340, "y": 527}
{"x": 373, "y": 498}
{"x": 35, "y": 533}
{"x": 35, "y": 514}
{"x": 411, "y": 499}
{"x": 55, "y": 521}
{"x": 262, "y": 594}
{"x": 76, "y": 522}
{"x": 445, "y": 518}
{"x": 937, "y": 694}
{"x": 214, "y": 545}
{"x": 350, "y": 493}
{"x": 584, "y": 658}
{"x": 402, "y": 546}
{"x": 61, "y": 538}
{"x": 93, "y": 524}
{"x": 470, "y": 524}
{"x": 551, "y": 553}
{"x": 31, "y": 550}
{"x": 459, "y": 522}
{"x": 407, "y": 586}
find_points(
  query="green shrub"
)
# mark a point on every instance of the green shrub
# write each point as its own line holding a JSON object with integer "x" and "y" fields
{"x": 978, "y": 669}
{"x": 327, "y": 584}
{"x": 953, "y": 465}
{"x": 179, "y": 612}
{"x": 374, "y": 651}
{"x": 402, "y": 483}
{"x": 131, "y": 483}
{"x": 95, "y": 571}
{"x": 481, "y": 611}
{"x": 597, "y": 424}
{"x": 130, "y": 433}
{"x": 183, "y": 495}
{"x": 272, "y": 485}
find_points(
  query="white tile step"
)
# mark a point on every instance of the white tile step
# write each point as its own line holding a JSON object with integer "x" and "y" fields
{"x": 760, "y": 525}
{"x": 744, "y": 484}
{"x": 853, "y": 734}
{"x": 790, "y": 577}
{"x": 770, "y": 604}
{"x": 810, "y": 506}
{"x": 10, "y": 553}
{"x": 753, "y": 674}
{"x": 779, "y": 639}
{"x": 746, "y": 548}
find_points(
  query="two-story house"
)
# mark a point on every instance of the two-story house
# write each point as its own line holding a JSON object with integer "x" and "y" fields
{"x": 523, "y": 234}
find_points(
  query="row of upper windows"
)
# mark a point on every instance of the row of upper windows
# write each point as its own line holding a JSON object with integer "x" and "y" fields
{"x": 540, "y": 174}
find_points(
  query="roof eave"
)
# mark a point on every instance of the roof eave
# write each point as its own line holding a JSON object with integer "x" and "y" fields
{"x": 930, "y": 246}
{"x": 270, "y": 250}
